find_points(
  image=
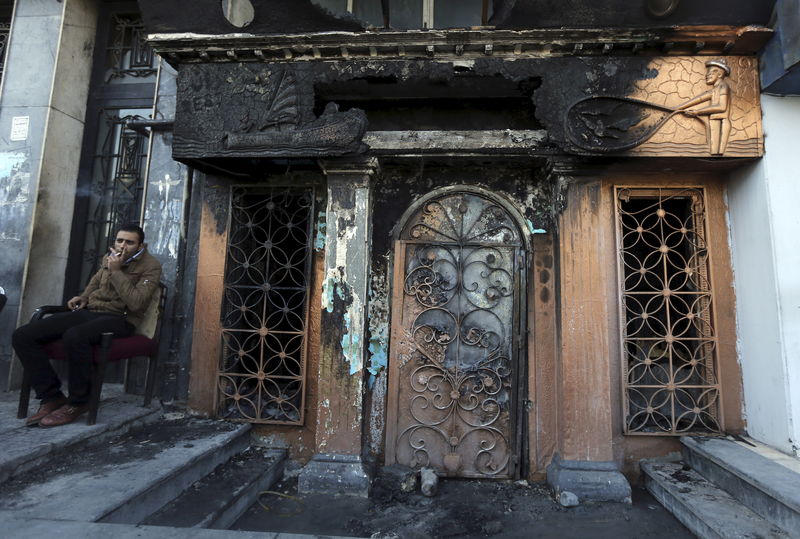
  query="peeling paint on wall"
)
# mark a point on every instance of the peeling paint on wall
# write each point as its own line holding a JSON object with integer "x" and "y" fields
{"x": 322, "y": 225}
{"x": 377, "y": 416}
{"x": 378, "y": 316}
{"x": 378, "y": 322}
{"x": 532, "y": 229}
{"x": 351, "y": 344}
{"x": 15, "y": 184}
{"x": 15, "y": 214}
{"x": 334, "y": 284}
{"x": 166, "y": 209}
{"x": 343, "y": 291}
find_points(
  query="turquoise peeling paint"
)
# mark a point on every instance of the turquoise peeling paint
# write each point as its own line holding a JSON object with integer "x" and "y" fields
{"x": 534, "y": 230}
{"x": 328, "y": 286}
{"x": 378, "y": 330}
{"x": 351, "y": 341}
{"x": 331, "y": 286}
{"x": 322, "y": 226}
{"x": 351, "y": 346}
{"x": 378, "y": 357}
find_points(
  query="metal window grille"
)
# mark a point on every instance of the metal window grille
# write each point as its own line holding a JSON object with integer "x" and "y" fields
{"x": 113, "y": 193}
{"x": 5, "y": 28}
{"x": 128, "y": 54}
{"x": 669, "y": 346}
{"x": 261, "y": 376}
{"x": 116, "y": 191}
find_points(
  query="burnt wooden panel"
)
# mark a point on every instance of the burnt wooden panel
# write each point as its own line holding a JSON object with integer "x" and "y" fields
{"x": 543, "y": 392}
{"x": 208, "y": 296}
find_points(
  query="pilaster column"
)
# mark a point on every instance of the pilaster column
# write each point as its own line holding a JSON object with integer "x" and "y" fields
{"x": 45, "y": 86}
{"x": 337, "y": 465}
{"x": 588, "y": 343}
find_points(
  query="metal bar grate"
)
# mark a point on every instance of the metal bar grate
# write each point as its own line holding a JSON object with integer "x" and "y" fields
{"x": 261, "y": 375}
{"x": 115, "y": 194}
{"x": 128, "y": 53}
{"x": 5, "y": 28}
{"x": 669, "y": 346}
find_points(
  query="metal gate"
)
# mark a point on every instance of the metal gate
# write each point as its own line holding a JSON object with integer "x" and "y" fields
{"x": 456, "y": 321}
{"x": 670, "y": 375}
{"x": 262, "y": 370}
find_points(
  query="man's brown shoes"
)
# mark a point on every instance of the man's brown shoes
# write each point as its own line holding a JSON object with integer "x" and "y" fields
{"x": 44, "y": 410}
{"x": 66, "y": 414}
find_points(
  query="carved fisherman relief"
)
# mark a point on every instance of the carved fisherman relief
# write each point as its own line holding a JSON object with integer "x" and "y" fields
{"x": 691, "y": 107}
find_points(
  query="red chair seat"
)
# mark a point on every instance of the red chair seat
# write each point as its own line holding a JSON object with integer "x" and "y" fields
{"x": 123, "y": 348}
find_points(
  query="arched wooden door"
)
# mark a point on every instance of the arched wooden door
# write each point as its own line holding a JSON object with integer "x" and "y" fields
{"x": 454, "y": 381}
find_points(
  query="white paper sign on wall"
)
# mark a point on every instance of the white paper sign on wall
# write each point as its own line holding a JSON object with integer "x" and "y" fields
{"x": 19, "y": 127}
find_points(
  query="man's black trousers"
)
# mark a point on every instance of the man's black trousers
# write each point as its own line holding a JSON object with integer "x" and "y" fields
{"x": 80, "y": 331}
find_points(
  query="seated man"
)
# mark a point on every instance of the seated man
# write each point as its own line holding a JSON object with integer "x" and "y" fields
{"x": 114, "y": 301}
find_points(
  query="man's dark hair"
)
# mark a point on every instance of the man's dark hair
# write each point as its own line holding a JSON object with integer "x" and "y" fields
{"x": 132, "y": 227}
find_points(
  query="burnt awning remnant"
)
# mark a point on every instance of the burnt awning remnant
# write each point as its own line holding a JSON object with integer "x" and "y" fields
{"x": 299, "y": 16}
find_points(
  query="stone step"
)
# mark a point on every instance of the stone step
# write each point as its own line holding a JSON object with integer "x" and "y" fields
{"x": 127, "y": 478}
{"x": 26, "y": 448}
{"x": 24, "y": 528}
{"x": 708, "y": 511}
{"x": 219, "y": 499}
{"x": 770, "y": 489}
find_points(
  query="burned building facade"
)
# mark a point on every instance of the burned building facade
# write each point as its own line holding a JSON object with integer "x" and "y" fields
{"x": 490, "y": 238}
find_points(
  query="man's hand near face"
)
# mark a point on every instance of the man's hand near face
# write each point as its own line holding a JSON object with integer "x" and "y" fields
{"x": 114, "y": 260}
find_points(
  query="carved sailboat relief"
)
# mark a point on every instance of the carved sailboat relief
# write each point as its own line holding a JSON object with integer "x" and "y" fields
{"x": 693, "y": 107}
{"x": 259, "y": 111}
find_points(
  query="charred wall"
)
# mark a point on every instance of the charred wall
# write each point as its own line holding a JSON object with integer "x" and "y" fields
{"x": 219, "y": 102}
{"x": 295, "y": 16}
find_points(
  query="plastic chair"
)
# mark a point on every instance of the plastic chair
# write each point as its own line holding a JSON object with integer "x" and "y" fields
{"x": 142, "y": 344}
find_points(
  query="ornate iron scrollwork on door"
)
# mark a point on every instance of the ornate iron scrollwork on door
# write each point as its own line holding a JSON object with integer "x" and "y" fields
{"x": 454, "y": 345}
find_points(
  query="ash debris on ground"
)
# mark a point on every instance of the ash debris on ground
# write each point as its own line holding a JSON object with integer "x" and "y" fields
{"x": 453, "y": 512}
{"x": 461, "y": 508}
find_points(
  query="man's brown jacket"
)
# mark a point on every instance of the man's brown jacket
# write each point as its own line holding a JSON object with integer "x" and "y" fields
{"x": 127, "y": 291}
